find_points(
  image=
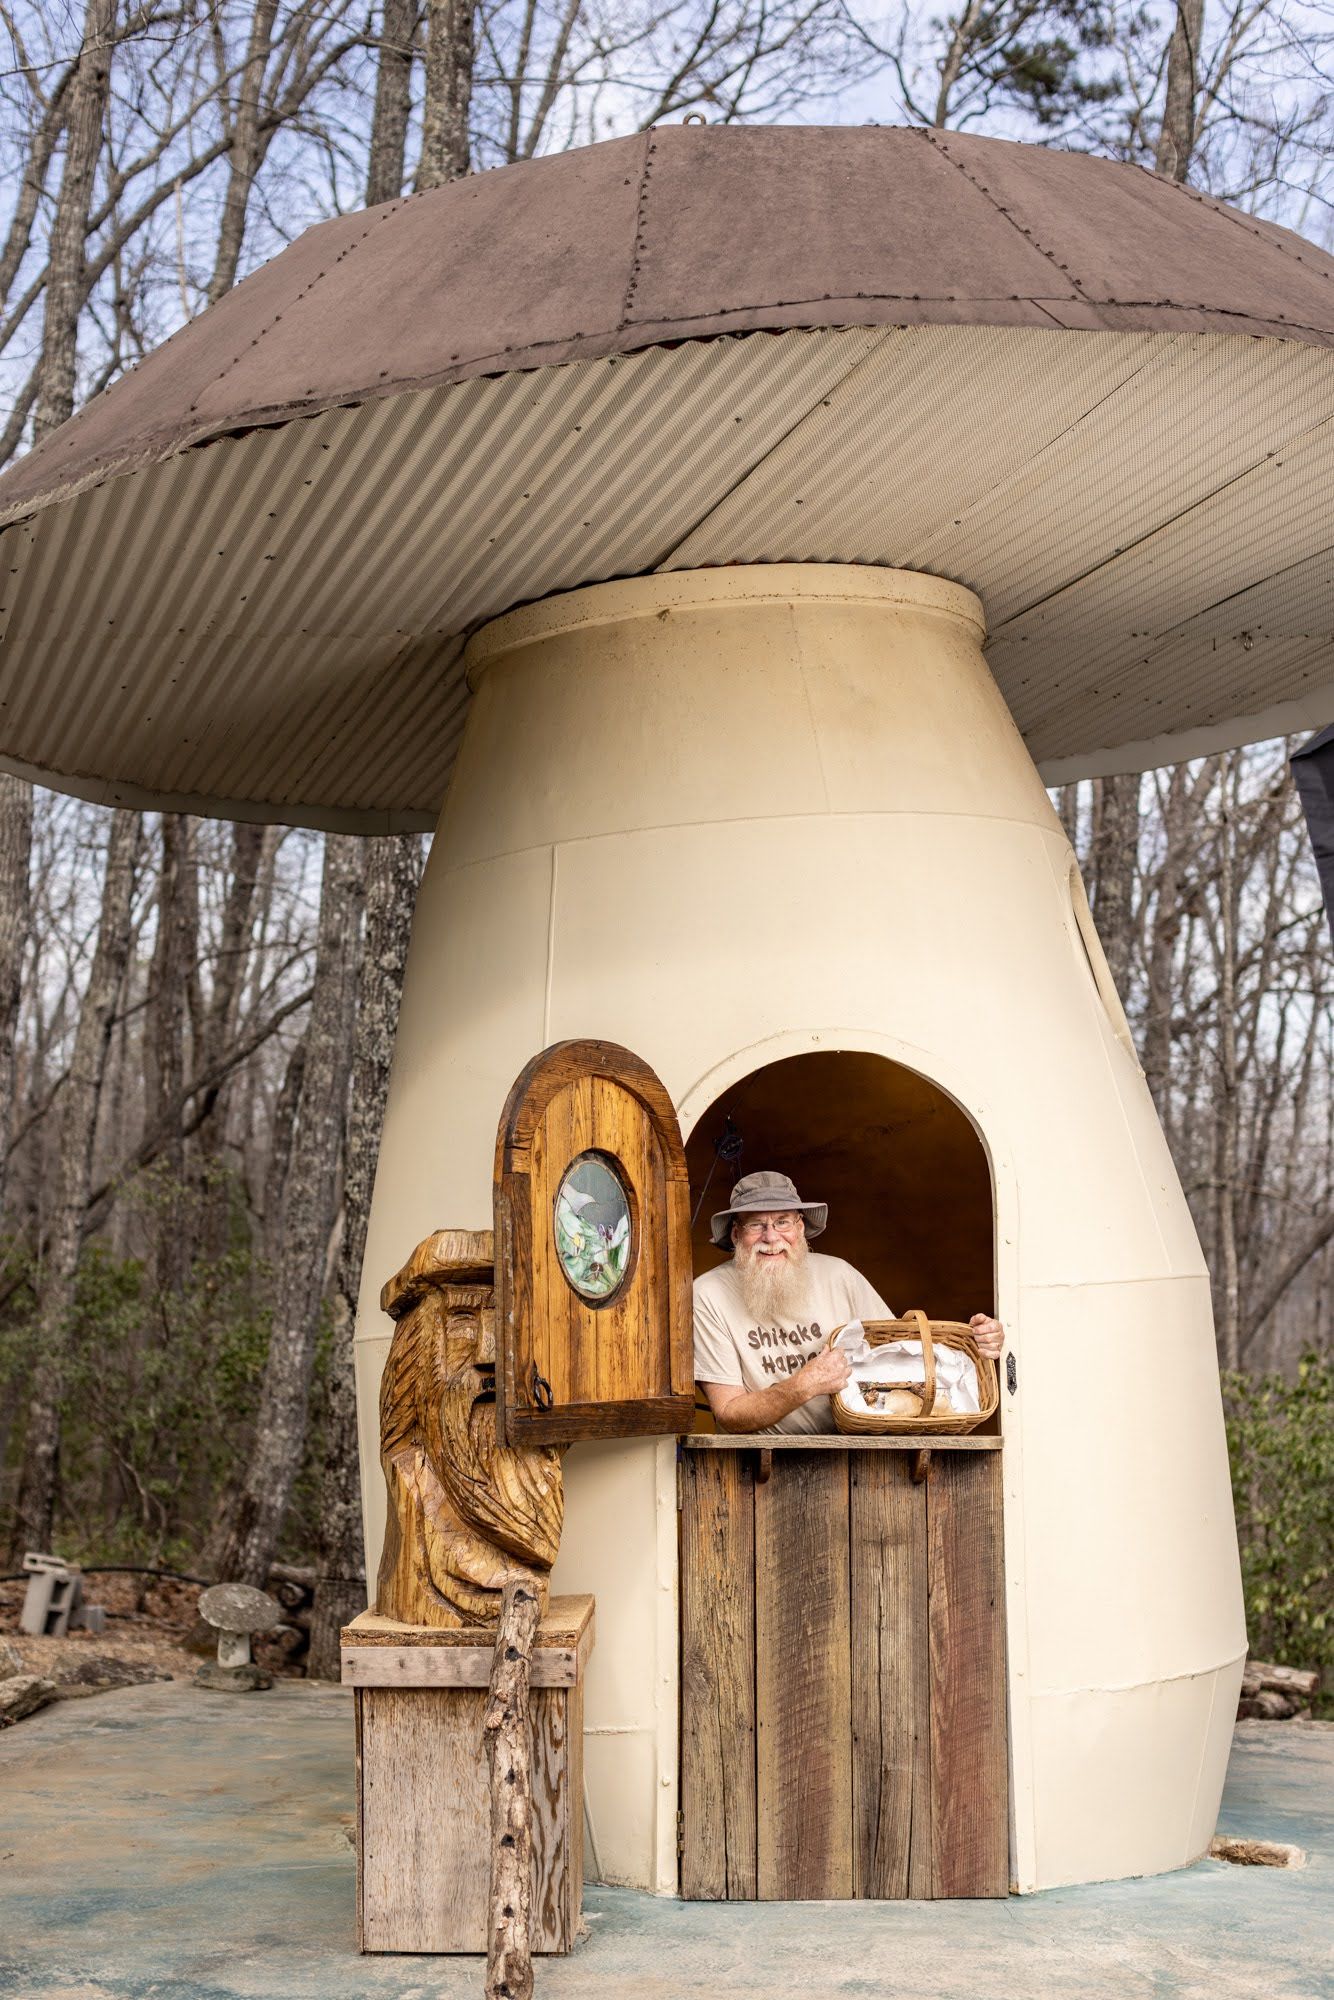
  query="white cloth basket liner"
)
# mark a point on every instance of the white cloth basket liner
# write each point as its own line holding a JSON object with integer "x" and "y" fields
{"x": 901, "y": 1361}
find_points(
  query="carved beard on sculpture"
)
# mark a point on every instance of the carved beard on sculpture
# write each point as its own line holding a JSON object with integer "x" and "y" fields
{"x": 774, "y": 1289}
{"x": 466, "y": 1514}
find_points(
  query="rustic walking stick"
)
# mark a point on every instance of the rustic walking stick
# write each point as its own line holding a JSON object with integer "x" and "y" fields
{"x": 508, "y": 1737}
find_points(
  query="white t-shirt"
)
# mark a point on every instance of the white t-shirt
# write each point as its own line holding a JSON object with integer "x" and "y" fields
{"x": 730, "y": 1348}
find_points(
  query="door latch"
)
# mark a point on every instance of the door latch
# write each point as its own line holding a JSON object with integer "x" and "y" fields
{"x": 542, "y": 1391}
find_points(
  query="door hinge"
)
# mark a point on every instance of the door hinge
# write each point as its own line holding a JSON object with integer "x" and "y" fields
{"x": 680, "y": 1834}
{"x": 1011, "y": 1373}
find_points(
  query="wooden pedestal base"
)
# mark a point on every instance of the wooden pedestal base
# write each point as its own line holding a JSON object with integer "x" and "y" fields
{"x": 423, "y": 1804}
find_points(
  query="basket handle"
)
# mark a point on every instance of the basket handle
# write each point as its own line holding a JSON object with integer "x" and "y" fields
{"x": 928, "y": 1358}
{"x": 928, "y": 1355}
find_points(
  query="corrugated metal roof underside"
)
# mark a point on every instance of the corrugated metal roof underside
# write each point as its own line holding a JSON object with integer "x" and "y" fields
{"x": 271, "y": 626}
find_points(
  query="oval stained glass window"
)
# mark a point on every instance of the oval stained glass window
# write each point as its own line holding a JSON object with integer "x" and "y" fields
{"x": 592, "y": 1226}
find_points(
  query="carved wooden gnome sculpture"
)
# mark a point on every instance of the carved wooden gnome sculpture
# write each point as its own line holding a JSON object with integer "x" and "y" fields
{"x": 466, "y": 1514}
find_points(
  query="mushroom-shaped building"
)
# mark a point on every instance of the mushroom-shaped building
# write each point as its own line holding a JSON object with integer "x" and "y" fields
{"x": 719, "y": 531}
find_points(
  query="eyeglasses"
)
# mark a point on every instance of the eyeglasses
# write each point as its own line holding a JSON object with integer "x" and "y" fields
{"x": 782, "y": 1225}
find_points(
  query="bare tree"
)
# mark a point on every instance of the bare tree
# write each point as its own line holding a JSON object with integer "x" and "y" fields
{"x": 310, "y": 1208}
{"x": 1226, "y": 972}
{"x": 446, "y": 153}
{"x": 1177, "y": 133}
{"x": 1036, "y": 58}
{"x": 66, "y": 284}
{"x": 245, "y": 135}
{"x": 220, "y": 1022}
{"x": 392, "y": 871}
{"x": 1112, "y": 866}
{"x": 15, "y": 915}
{"x": 78, "y": 1125}
{"x": 393, "y": 103}
{"x": 173, "y": 997}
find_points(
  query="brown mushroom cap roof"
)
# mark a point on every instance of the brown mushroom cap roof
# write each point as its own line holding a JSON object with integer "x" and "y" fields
{"x": 690, "y": 347}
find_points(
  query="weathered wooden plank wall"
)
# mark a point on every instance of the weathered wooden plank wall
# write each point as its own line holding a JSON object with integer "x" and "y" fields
{"x": 970, "y": 1833}
{"x": 803, "y": 1694}
{"x": 891, "y": 1747}
{"x": 843, "y": 1726}
{"x": 718, "y": 1678}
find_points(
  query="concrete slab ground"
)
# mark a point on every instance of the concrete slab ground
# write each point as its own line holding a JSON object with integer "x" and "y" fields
{"x": 167, "y": 1842}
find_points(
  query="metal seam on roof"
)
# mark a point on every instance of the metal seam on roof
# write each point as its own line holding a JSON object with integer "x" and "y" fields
{"x": 899, "y": 388}
{"x": 1254, "y": 226}
{"x": 1158, "y": 528}
{"x": 641, "y": 222}
{"x": 1215, "y": 521}
{"x": 942, "y": 147}
{"x": 276, "y": 318}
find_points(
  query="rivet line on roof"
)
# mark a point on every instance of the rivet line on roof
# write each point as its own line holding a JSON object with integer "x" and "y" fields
{"x": 641, "y": 224}
{"x": 935, "y": 140}
{"x": 304, "y": 292}
{"x": 1251, "y": 227}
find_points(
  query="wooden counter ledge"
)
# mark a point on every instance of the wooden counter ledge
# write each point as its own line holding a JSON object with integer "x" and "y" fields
{"x": 831, "y": 1441}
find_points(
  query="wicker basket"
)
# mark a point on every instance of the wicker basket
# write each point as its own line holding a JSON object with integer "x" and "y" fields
{"x": 932, "y": 1333}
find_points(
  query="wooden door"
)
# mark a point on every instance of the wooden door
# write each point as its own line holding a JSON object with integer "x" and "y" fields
{"x": 843, "y": 1718}
{"x": 593, "y": 1276}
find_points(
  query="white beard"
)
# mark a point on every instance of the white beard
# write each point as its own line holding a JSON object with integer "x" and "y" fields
{"x": 775, "y": 1290}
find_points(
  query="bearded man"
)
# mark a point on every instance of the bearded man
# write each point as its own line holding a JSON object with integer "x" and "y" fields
{"x": 762, "y": 1320}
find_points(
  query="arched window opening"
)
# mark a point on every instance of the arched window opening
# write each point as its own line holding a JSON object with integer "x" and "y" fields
{"x": 899, "y": 1163}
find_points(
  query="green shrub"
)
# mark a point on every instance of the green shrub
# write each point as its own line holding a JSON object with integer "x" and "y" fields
{"x": 158, "y": 1405}
{"x": 1281, "y": 1447}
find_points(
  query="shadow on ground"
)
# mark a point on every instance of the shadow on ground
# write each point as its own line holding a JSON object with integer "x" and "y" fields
{"x": 166, "y": 1842}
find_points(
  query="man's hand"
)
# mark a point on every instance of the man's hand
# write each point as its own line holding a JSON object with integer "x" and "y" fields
{"x": 989, "y": 1335}
{"x": 757, "y": 1409}
{"x": 824, "y": 1374}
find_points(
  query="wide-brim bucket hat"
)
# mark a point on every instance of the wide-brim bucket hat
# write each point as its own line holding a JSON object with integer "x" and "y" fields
{"x": 757, "y": 1194}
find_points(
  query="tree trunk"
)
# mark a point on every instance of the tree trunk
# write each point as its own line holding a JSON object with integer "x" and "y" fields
{"x": 1176, "y": 136}
{"x": 245, "y": 152}
{"x": 509, "y": 1755}
{"x": 392, "y": 872}
{"x": 282, "y": 1128}
{"x": 1227, "y": 1101}
{"x": 446, "y": 153}
{"x": 219, "y": 1026}
{"x": 1115, "y": 853}
{"x": 15, "y": 916}
{"x": 1318, "y": 1233}
{"x": 1163, "y": 933}
{"x": 174, "y": 957}
{"x": 81, "y": 1093}
{"x": 1067, "y": 805}
{"x": 393, "y": 103}
{"x": 309, "y": 1212}
{"x": 66, "y": 283}
{"x": 962, "y": 32}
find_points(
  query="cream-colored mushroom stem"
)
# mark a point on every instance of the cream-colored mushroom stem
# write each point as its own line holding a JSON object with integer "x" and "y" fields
{"x": 730, "y": 816}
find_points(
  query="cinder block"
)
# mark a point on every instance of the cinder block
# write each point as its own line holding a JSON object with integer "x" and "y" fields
{"x": 53, "y": 1595}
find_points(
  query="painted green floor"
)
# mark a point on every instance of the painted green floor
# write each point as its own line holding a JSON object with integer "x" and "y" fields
{"x": 163, "y": 1844}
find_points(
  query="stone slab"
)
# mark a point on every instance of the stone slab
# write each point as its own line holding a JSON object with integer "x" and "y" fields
{"x": 167, "y": 1841}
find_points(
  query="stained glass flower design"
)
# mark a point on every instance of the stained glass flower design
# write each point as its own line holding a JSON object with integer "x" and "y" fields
{"x": 592, "y": 1225}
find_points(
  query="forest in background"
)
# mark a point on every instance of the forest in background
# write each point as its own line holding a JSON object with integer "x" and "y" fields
{"x": 196, "y": 1019}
